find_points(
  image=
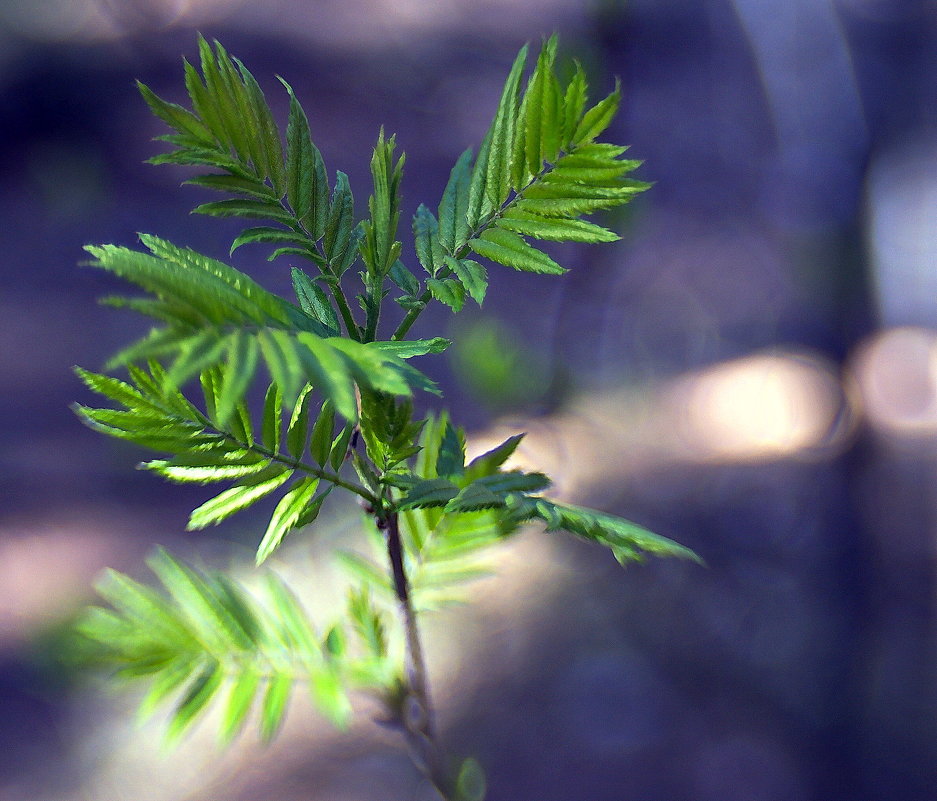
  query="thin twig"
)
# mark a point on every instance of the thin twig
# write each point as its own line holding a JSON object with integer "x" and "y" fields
{"x": 417, "y": 709}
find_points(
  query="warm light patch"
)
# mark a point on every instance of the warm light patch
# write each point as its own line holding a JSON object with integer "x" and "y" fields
{"x": 896, "y": 371}
{"x": 759, "y": 407}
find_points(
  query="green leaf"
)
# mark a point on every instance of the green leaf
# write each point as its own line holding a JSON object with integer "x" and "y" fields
{"x": 297, "y": 432}
{"x": 490, "y": 461}
{"x": 379, "y": 248}
{"x": 451, "y": 458}
{"x": 514, "y": 481}
{"x": 241, "y": 207}
{"x": 448, "y": 291}
{"x": 204, "y": 468}
{"x": 597, "y": 118}
{"x": 263, "y": 234}
{"x": 341, "y": 220}
{"x": 541, "y": 140}
{"x": 267, "y": 133}
{"x": 404, "y": 279}
{"x": 314, "y": 301}
{"x": 406, "y": 349}
{"x": 198, "y": 602}
{"x": 507, "y": 248}
{"x": 331, "y": 698}
{"x": 176, "y": 117}
{"x": 272, "y": 421}
{"x": 627, "y": 540}
{"x": 574, "y": 101}
{"x": 274, "y": 706}
{"x": 453, "y": 208}
{"x": 320, "y": 442}
{"x": 472, "y": 498}
{"x": 340, "y": 447}
{"x": 240, "y": 697}
{"x": 473, "y": 276}
{"x": 307, "y": 186}
{"x": 237, "y": 498}
{"x": 431, "y": 492}
{"x": 555, "y": 229}
{"x": 497, "y": 177}
{"x": 236, "y": 185}
{"x": 426, "y": 240}
{"x": 197, "y": 696}
{"x": 286, "y": 515}
{"x": 243, "y": 352}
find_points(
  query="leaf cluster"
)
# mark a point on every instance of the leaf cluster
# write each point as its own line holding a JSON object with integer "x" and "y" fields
{"x": 334, "y": 393}
{"x": 204, "y": 638}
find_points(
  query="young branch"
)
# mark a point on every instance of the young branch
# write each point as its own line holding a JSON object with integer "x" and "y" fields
{"x": 417, "y": 710}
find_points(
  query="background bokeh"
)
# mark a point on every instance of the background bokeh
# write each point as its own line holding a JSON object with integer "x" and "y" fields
{"x": 751, "y": 371}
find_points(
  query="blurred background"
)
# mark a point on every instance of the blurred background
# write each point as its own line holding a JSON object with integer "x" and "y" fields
{"x": 752, "y": 371}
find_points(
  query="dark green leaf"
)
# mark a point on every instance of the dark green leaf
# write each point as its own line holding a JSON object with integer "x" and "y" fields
{"x": 453, "y": 208}
{"x": 320, "y": 442}
{"x": 473, "y": 276}
{"x": 448, "y": 291}
{"x": 403, "y": 278}
{"x": 425, "y": 238}
{"x": 314, "y": 301}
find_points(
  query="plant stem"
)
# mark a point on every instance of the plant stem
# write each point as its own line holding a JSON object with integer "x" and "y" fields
{"x": 417, "y": 710}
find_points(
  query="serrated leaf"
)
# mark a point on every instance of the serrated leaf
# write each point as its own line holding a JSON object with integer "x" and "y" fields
{"x": 472, "y": 498}
{"x": 286, "y": 515}
{"x": 320, "y": 442}
{"x": 597, "y": 118}
{"x": 241, "y": 207}
{"x": 514, "y": 481}
{"x": 306, "y": 181}
{"x": 509, "y": 249}
{"x": 340, "y": 447}
{"x": 403, "y": 278}
{"x": 497, "y": 178}
{"x": 272, "y": 420}
{"x": 297, "y": 431}
{"x": 428, "y": 493}
{"x": 473, "y": 276}
{"x": 448, "y": 291}
{"x": 267, "y": 133}
{"x": 574, "y": 102}
{"x": 236, "y": 185}
{"x": 264, "y": 234}
{"x": 176, "y": 116}
{"x": 453, "y": 208}
{"x": 314, "y": 301}
{"x": 425, "y": 239}
{"x": 236, "y": 498}
{"x": 408, "y": 348}
{"x": 490, "y": 461}
{"x": 341, "y": 219}
{"x": 243, "y": 352}
{"x": 556, "y": 229}
{"x": 203, "y": 473}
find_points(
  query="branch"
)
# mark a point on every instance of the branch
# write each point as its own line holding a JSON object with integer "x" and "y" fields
{"x": 417, "y": 710}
